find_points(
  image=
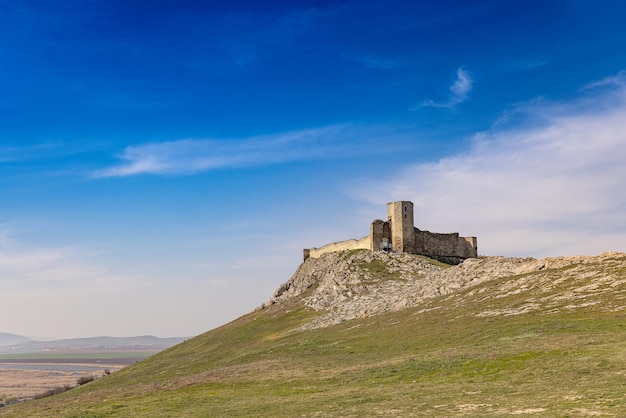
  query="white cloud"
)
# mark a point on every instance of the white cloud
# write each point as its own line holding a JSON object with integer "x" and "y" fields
{"x": 553, "y": 185}
{"x": 51, "y": 269}
{"x": 189, "y": 156}
{"x": 617, "y": 80}
{"x": 461, "y": 87}
{"x": 459, "y": 91}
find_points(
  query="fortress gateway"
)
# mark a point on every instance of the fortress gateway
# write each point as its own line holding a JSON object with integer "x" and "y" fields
{"x": 399, "y": 234}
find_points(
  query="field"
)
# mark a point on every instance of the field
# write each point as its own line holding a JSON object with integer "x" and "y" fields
{"x": 27, "y": 375}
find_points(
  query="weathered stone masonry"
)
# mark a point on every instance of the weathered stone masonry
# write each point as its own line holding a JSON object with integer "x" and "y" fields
{"x": 399, "y": 234}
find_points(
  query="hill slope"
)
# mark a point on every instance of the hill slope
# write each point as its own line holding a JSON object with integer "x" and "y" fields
{"x": 356, "y": 334}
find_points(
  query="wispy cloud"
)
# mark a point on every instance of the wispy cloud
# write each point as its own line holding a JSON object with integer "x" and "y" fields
{"x": 49, "y": 268}
{"x": 525, "y": 64}
{"x": 32, "y": 152}
{"x": 617, "y": 80}
{"x": 459, "y": 92}
{"x": 378, "y": 62}
{"x": 45, "y": 150}
{"x": 550, "y": 183}
{"x": 188, "y": 156}
{"x": 533, "y": 65}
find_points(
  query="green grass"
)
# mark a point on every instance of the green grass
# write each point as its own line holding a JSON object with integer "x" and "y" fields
{"x": 350, "y": 253}
{"x": 435, "y": 262}
{"x": 442, "y": 362}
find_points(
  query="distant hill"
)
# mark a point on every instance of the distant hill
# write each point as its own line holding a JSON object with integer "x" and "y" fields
{"x": 362, "y": 334}
{"x": 11, "y": 339}
{"x": 145, "y": 342}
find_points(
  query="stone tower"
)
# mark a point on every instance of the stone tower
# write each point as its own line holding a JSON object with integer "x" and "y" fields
{"x": 400, "y": 216}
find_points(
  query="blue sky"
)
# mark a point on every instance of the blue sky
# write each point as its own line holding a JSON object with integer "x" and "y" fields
{"x": 162, "y": 164}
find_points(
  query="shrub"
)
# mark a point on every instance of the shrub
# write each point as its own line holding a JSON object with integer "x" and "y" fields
{"x": 85, "y": 379}
{"x": 54, "y": 391}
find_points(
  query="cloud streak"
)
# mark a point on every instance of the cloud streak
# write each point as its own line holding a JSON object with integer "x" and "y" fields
{"x": 50, "y": 269}
{"x": 550, "y": 185}
{"x": 48, "y": 150}
{"x": 190, "y": 156}
{"x": 459, "y": 92}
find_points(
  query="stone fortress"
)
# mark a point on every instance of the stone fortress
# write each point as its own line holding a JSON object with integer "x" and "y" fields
{"x": 399, "y": 234}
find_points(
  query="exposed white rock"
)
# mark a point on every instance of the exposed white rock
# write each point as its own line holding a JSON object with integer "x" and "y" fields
{"x": 348, "y": 285}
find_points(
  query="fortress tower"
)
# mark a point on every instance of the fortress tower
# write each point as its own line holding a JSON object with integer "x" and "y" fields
{"x": 400, "y": 216}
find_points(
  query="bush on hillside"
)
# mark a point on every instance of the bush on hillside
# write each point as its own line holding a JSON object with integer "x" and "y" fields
{"x": 54, "y": 391}
{"x": 85, "y": 379}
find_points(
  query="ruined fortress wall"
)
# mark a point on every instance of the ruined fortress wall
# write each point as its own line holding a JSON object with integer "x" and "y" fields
{"x": 448, "y": 245}
{"x": 379, "y": 231}
{"x": 468, "y": 247}
{"x": 351, "y": 244}
{"x": 429, "y": 243}
{"x": 399, "y": 234}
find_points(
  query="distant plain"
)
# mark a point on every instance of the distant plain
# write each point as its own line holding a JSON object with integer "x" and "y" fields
{"x": 23, "y": 376}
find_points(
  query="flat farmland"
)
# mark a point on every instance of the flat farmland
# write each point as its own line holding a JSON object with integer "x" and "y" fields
{"x": 23, "y": 376}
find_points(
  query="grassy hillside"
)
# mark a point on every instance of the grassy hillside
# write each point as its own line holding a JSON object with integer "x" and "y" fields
{"x": 452, "y": 356}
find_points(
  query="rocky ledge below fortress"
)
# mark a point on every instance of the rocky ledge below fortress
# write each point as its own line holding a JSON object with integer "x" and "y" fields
{"x": 357, "y": 284}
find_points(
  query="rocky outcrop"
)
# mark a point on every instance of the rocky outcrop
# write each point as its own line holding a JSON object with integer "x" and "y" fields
{"x": 356, "y": 284}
